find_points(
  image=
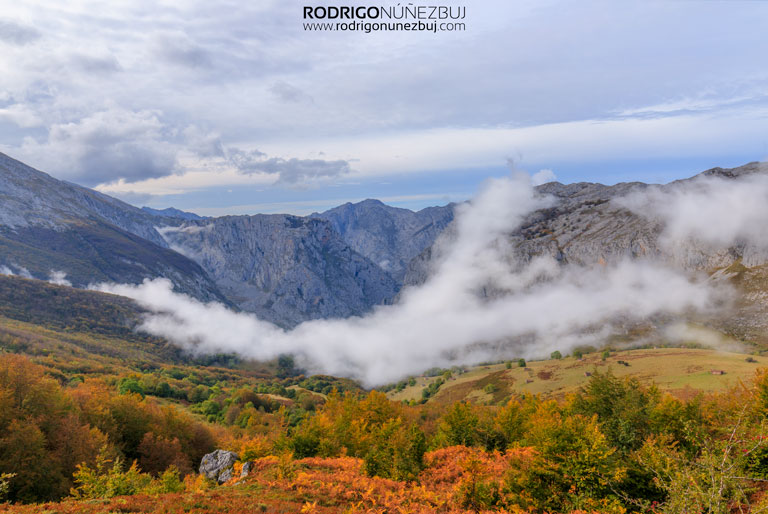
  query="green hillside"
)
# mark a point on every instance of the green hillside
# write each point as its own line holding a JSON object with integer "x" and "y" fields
{"x": 680, "y": 371}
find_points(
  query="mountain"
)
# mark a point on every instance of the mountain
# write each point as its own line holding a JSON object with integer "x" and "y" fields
{"x": 49, "y": 226}
{"x": 338, "y": 263}
{"x": 171, "y": 212}
{"x": 284, "y": 268}
{"x": 586, "y": 227}
{"x": 388, "y": 236}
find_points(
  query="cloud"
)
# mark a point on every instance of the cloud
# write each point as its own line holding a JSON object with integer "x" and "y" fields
{"x": 96, "y": 64}
{"x": 543, "y": 176}
{"x": 16, "y": 34}
{"x": 106, "y": 146}
{"x": 478, "y": 304}
{"x": 247, "y": 74}
{"x": 133, "y": 197}
{"x": 204, "y": 144}
{"x": 59, "y": 278}
{"x": 286, "y": 92}
{"x": 182, "y": 51}
{"x": 19, "y": 270}
{"x": 711, "y": 210}
{"x": 20, "y": 115}
{"x": 291, "y": 171}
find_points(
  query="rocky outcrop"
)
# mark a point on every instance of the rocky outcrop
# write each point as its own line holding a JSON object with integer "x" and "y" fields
{"x": 219, "y": 465}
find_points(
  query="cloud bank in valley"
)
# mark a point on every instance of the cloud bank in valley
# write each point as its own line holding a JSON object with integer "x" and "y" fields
{"x": 477, "y": 304}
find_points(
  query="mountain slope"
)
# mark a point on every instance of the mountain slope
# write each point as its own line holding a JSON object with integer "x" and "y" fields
{"x": 284, "y": 268}
{"x": 48, "y": 226}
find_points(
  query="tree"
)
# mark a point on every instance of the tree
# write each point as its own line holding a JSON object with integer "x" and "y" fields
{"x": 158, "y": 454}
{"x": 459, "y": 425}
{"x": 575, "y": 467}
{"x": 286, "y": 366}
{"x": 521, "y": 363}
{"x": 622, "y": 407}
{"x": 556, "y": 355}
{"x": 397, "y": 451}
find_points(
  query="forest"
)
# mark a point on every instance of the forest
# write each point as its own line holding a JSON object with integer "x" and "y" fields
{"x": 616, "y": 445}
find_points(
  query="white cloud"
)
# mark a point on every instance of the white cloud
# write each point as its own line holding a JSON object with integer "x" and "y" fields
{"x": 713, "y": 211}
{"x": 442, "y": 101}
{"x": 59, "y": 278}
{"x": 106, "y": 145}
{"x": 543, "y": 176}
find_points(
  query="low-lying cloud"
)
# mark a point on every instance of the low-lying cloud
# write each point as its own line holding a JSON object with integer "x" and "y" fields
{"x": 17, "y": 270}
{"x": 719, "y": 212}
{"x": 59, "y": 278}
{"x": 479, "y": 303}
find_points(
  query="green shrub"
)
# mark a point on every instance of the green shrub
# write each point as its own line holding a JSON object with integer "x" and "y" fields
{"x": 106, "y": 481}
{"x": 109, "y": 479}
{"x": 5, "y": 483}
{"x": 397, "y": 452}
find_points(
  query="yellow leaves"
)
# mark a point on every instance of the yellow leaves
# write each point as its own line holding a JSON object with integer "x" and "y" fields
{"x": 309, "y": 508}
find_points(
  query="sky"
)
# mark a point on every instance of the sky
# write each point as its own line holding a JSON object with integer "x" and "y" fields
{"x": 234, "y": 108}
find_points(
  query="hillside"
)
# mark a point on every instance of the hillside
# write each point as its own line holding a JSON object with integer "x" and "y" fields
{"x": 48, "y": 226}
{"x": 683, "y": 372}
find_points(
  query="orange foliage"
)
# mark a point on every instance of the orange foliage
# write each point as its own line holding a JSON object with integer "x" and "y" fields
{"x": 318, "y": 485}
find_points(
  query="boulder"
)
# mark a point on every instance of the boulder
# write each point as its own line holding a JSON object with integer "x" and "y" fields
{"x": 246, "y": 469}
{"x": 218, "y": 465}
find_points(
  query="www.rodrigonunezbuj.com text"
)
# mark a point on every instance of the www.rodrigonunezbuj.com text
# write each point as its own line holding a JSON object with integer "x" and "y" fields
{"x": 394, "y": 18}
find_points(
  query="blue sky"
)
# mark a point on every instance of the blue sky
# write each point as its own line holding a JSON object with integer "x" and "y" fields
{"x": 232, "y": 108}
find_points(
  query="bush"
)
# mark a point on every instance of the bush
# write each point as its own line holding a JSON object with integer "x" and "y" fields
{"x": 5, "y": 480}
{"x": 397, "y": 452}
{"x": 521, "y": 363}
{"x": 556, "y": 355}
{"x": 108, "y": 479}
